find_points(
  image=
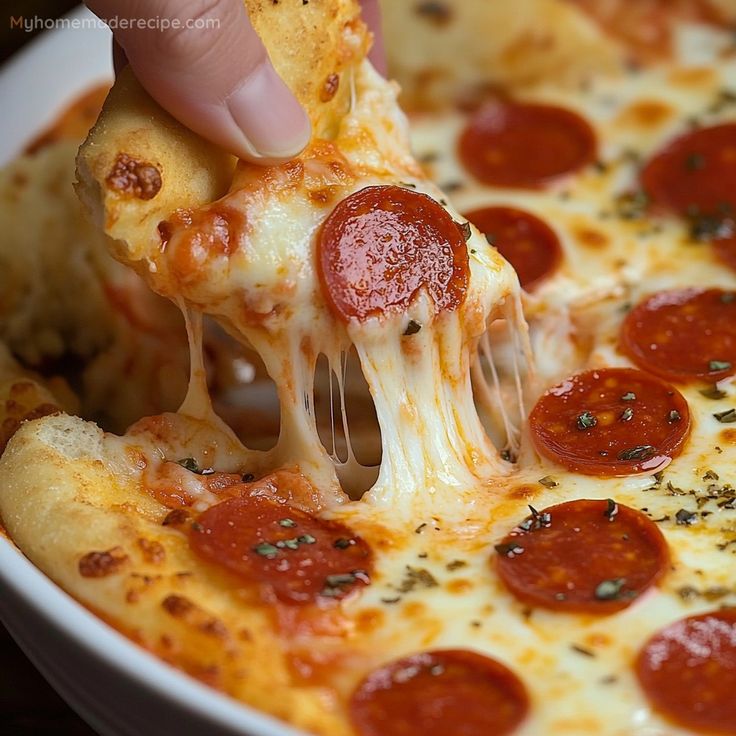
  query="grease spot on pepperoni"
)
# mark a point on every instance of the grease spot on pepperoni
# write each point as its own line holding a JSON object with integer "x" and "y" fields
{"x": 382, "y": 245}
{"x": 298, "y": 557}
{"x": 683, "y": 334}
{"x": 437, "y": 694}
{"x": 688, "y": 672}
{"x": 582, "y": 556}
{"x": 585, "y": 424}
{"x": 694, "y": 173}
{"x": 525, "y": 241}
{"x": 525, "y": 146}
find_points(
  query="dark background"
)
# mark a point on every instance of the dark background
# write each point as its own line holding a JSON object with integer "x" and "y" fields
{"x": 11, "y": 39}
{"x": 28, "y": 706}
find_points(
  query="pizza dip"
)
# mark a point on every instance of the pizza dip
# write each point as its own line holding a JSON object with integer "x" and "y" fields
{"x": 495, "y": 492}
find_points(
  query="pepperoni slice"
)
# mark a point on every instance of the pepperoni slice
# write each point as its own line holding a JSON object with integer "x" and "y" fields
{"x": 611, "y": 421}
{"x": 683, "y": 334}
{"x": 525, "y": 146}
{"x": 525, "y": 241}
{"x": 301, "y": 558}
{"x": 381, "y": 245}
{"x": 688, "y": 672}
{"x": 440, "y": 693}
{"x": 695, "y": 176}
{"x": 725, "y": 249}
{"x": 695, "y": 173}
{"x": 582, "y": 556}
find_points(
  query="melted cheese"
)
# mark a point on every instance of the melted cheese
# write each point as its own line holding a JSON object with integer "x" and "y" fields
{"x": 260, "y": 280}
{"x": 578, "y": 667}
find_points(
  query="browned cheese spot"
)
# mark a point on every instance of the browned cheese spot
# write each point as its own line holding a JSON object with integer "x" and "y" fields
{"x": 591, "y": 238}
{"x": 176, "y": 518}
{"x": 435, "y": 12}
{"x": 460, "y": 586}
{"x": 190, "y": 613}
{"x": 524, "y": 492}
{"x": 330, "y": 87}
{"x": 370, "y": 620}
{"x": 153, "y": 552}
{"x": 325, "y": 195}
{"x": 696, "y": 77}
{"x": 134, "y": 178}
{"x": 645, "y": 114}
{"x": 102, "y": 564}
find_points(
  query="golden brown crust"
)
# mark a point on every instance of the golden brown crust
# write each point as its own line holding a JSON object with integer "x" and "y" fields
{"x": 134, "y": 129}
{"x": 114, "y": 550}
{"x": 197, "y": 226}
{"x": 140, "y": 168}
{"x": 23, "y": 397}
{"x": 314, "y": 46}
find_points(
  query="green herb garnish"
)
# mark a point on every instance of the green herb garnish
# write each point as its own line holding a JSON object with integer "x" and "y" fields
{"x": 265, "y": 549}
{"x": 190, "y": 464}
{"x": 509, "y": 549}
{"x": 726, "y": 417}
{"x": 640, "y": 452}
{"x": 714, "y": 366}
{"x": 610, "y": 590}
{"x": 586, "y": 421}
{"x": 713, "y": 393}
{"x": 465, "y": 229}
{"x": 611, "y": 509}
{"x": 686, "y": 518}
{"x": 695, "y": 162}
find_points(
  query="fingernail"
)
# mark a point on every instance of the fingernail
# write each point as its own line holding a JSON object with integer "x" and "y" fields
{"x": 273, "y": 123}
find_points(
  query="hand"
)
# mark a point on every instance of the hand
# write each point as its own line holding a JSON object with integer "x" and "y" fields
{"x": 218, "y": 81}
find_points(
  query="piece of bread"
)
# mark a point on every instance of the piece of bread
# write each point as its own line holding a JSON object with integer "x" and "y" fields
{"x": 83, "y": 518}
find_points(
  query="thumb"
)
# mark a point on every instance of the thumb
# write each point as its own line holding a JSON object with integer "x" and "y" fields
{"x": 202, "y": 61}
